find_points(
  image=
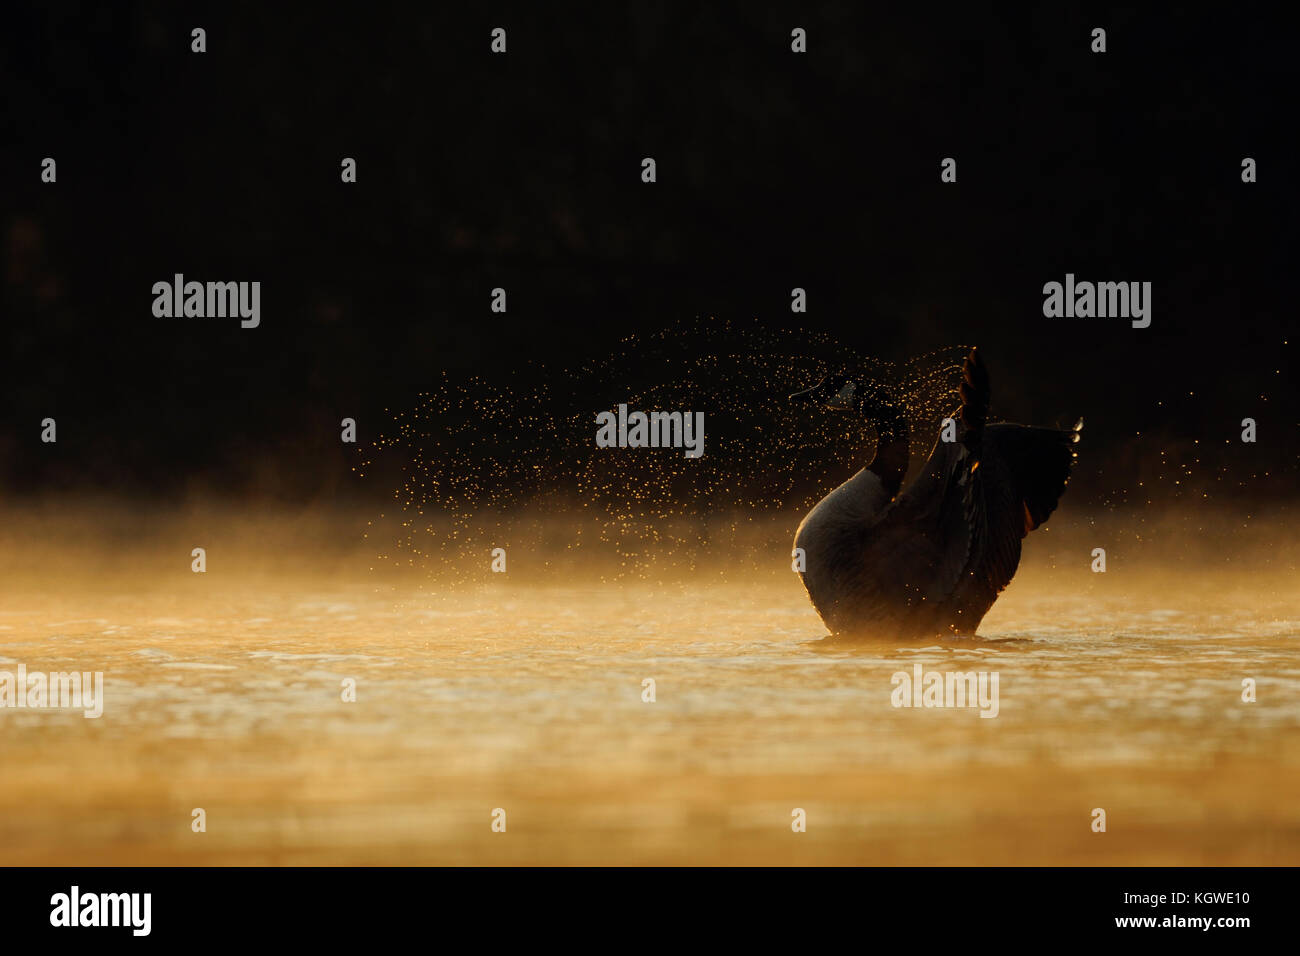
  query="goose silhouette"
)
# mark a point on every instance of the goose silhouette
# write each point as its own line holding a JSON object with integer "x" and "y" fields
{"x": 932, "y": 560}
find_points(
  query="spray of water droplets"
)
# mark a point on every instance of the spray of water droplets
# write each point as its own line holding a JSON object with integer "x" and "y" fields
{"x": 515, "y": 463}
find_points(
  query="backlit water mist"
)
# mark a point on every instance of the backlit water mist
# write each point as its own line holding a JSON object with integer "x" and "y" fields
{"x": 223, "y": 691}
{"x": 525, "y": 691}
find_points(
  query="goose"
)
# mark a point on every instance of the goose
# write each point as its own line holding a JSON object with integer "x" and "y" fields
{"x": 932, "y": 560}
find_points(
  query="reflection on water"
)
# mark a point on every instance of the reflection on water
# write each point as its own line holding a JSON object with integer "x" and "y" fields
{"x": 224, "y": 692}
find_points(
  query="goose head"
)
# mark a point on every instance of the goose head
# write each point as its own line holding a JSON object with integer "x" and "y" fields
{"x": 834, "y": 392}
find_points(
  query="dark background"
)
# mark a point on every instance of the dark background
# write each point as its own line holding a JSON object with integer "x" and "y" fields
{"x": 523, "y": 171}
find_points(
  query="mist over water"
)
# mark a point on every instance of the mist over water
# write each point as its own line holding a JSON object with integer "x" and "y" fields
{"x": 332, "y": 565}
{"x": 524, "y": 690}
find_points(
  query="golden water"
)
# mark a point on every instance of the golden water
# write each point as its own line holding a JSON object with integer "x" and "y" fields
{"x": 223, "y": 691}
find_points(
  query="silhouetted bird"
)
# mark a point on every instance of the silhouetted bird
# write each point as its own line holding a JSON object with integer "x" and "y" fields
{"x": 932, "y": 560}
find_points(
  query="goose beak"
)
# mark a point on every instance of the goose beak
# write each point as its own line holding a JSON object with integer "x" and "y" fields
{"x": 843, "y": 399}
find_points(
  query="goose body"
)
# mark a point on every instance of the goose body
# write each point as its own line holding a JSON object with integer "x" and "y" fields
{"x": 932, "y": 560}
